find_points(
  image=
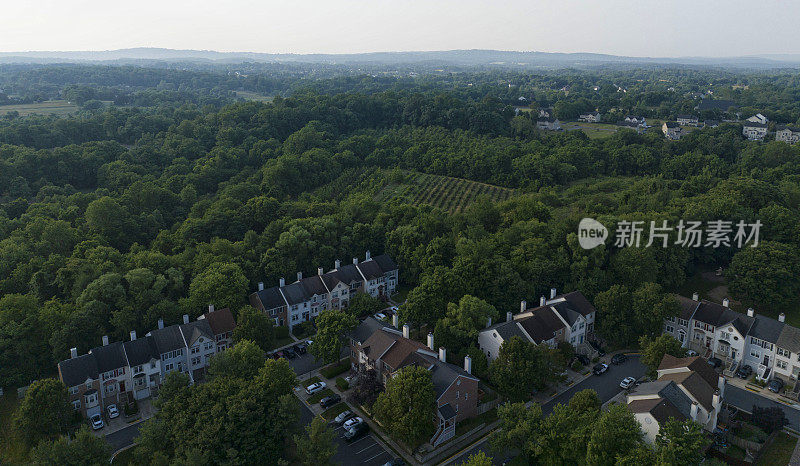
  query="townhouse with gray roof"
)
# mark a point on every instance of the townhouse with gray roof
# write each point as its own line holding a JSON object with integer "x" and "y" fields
{"x": 787, "y": 133}
{"x": 569, "y": 318}
{"x": 769, "y": 346}
{"x": 303, "y": 300}
{"x": 119, "y": 372}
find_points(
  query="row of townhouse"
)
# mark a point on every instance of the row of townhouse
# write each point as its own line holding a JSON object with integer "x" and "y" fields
{"x": 548, "y": 124}
{"x": 687, "y": 120}
{"x": 119, "y": 372}
{"x": 387, "y": 350}
{"x": 565, "y": 318}
{"x": 590, "y": 117}
{"x": 787, "y": 133}
{"x": 303, "y": 300}
{"x": 686, "y": 388}
{"x": 769, "y": 346}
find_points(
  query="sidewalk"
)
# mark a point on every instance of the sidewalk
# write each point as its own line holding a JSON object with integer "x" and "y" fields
{"x": 763, "y": 392}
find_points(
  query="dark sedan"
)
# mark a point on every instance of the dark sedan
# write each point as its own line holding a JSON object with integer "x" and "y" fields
{"x": 715, "y": 362}
{"x": 618, "y": 359}
{"x": 775, "y": 385}
{"x": 744, "y": 371}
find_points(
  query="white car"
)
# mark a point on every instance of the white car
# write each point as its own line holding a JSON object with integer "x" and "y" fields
{"x": 627, "y": 382}
{"x": 342, "y": 417}
{"x": 112, "y": 411}
{"x": 380, "y": 316}
{"x": 393, "y": 309}
{"x": 352, "y": 422}
{"x": 315, "y": 387}
{"x": 690, "y": 353}
{"x": 97, "y": 422}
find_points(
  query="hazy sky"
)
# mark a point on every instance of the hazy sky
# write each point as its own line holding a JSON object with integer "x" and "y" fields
{"x": 623, "y": 27}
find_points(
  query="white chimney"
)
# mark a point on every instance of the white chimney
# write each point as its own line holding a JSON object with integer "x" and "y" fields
{"x": 716, "y": 400}
{"x": 468, "y": 364}
{"x": 726, "y": 302}
{"x": 442, "y": 354}
{"x": 337, "y": 263}
{"x": 355, "y": 261}
{"x": 186, "y": 318}
{"x": 509, "y": 316}
{"x": 133, "y": 335}
{"x": 750, "y": 311}
{"x": 488, "y": 322}
{"x": 552, "y": 293}
{"x": 160, "y": 323}
{"x": 406, "y": 331}
{"x": 105, "y": 340}
{"x": 693, "y": 412}
{"x": 542, "y": 301}
{"x": 430, "y": 341}
{"x": 781, "y": 317}
{"x": 320, "y": 271}
{"x": 210, "y": 308}
{"x": 368, "y": 255}
{"x": 260, "y": 286}
{"x": 73, "y": 353}
{"x": 299, "y": 276}
{"x": 523, "y": 306}
{"x": 282, "y": 282}
{"x": 395, "y": 320}
{"x": 695, "y": 296}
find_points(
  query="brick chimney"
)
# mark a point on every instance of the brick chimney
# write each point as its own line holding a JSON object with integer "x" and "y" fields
{"x": 282, "y": 282}
{"x": 523, "y": 306}
{"x": 260, "y": 286}
{"x": 299, "y": 276}
{"x": 368, "y": 256}
{"x": 160, "y": 323}
{"x": 695, "y": 296}
{"x": 781, "y": 317}
{"x": 337, "y": 263}
{"x": 542, "y": 301}
{"x": 750, "y": 312}
{"x": 726, "y": 302}
{"x": 509, "y": 316}
{"x": 210, "y": 308}
{"x": 320, "y": 271}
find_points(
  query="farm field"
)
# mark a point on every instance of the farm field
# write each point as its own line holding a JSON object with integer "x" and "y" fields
{"x": 443, "y": 192}
{"x": 253, "y": 96}
{"x": 50, "y": 107}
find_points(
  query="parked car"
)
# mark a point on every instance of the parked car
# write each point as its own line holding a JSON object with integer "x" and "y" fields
{"x": 618, "y": 359}
{"x": 583, "y": 359}
{"x": 744, "y": 371}
{"x": 343, "y": 416}
{"x": 112, "y": 411}
{"x": 355, "y": 432}
{"x": 351, "y": 379}
{"x": 627, "y": 382}
{"x": 380, "y": 316}
{"x": 600, "y": 368}
{"x": 301, "y": 348}
{"x": 289, "y": 353}
{"x": 775, "y": 385}
{"x": 715, "y": 362}
{"x": 353, "y": 421}
{"x": 329, "y": 401}
{"x": 97, "y": 422}
{"x": 690, "y": 353}
{"x": 393, "y": 309}
{"x": 315, "y": 387}
{"x": 277, "y": 355}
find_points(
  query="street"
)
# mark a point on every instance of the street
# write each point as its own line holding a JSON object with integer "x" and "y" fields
{"x": 606, "y": 386}
{"x": 123, "y": 437}
{"x": 744, "y": 400}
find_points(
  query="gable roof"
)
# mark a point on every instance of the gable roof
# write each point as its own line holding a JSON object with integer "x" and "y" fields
{"x": 370, "y": 269}
{"x": 294, "y": 293}
{"x": 789, "y": 339}
{"x": 271, "y": 298}
{"x": 346, "y": 274}
{"x": 385, "y": 262}
{"x": 141, "y": 351}
{"x": 668, "y": 390}
{"x": 709, "y": 104}
{"x": 688, "y": 307}
{"x": 719, "y": 315}
{"x": 506, "y": 330}
{"x": 766, "y": 328}
{"x": 314, "y": 286}
{"x": 660, "y": 408}
{"x": 75, "y": 371}
{"x": 167, "y": 339}
{"x": 109, "y": 357}
{"x": 221, "y": 321}
{"x": 542, "y": 325}
{"x": 754, "y": 124}
{"x": 671, "y": 124}
{"x": 686, "y": 117}
{"x": 365, "y": 329}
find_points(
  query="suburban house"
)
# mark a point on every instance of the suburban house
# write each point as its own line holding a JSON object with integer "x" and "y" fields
{"x": 758, "y": 118}
{"x": 569, "y": 318}
{"x": 785, "y": 133}
{"x": 304, "y": 299}
{"x": 711, "y": 123}
{"x": 688, "y": 120}
{"x": 639, "y": 120}
{"x": 770, "y": 347}
{"x": 546, "y": 113}
{"x": 686, "y": 388}
{"x": 671, "y": 130}
{"x": 548, "y": 124}
{"x": 591, "y": 117}
{"x": 387, "y": 350}
{"x": 754, "y": 131}
{"x": 222, "y": 324}
{"x": 119, "y": 372}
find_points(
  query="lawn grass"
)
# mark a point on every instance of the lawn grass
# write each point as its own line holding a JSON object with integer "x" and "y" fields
{"x": 50, "y": 107}
{"x": 779, "y": 452}
{"x": 313, "y": 399}
{"x": 468, "y": 424}
{"x": 125, "y": 457}
{"x": 400, "y": 294}
{"x": 281, "y": 342}
{"x": 331, "y": 413}
{"x": 331, "y": 371}
{"x": 11, "y": 452}
{"x": 342, "y": 384}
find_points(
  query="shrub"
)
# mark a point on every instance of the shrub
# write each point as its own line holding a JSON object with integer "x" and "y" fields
{"x": 131, "y": 408}
{"x": 333, "y": 370}
{"x": 281, "y": 332}
{"x": 342, "y": 384}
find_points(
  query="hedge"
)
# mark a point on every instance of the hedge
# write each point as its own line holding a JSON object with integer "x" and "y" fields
{"x": 336, "y": 369}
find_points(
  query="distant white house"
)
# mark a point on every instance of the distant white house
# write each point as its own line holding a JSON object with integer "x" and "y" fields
{"x": 758, "y": 118}
{"x": 548, "y": 124}
{"x": 671, "y": 130}
{"x": 790, "y": 134}
{"x": 754, "y": 131}
{"x": 688, "y": 120}
{"x": 591, "y": 117}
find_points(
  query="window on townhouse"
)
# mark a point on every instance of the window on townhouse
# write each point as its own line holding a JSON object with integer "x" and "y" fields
{"x": 76, "y": 405}
{"x": 209, "y": 345}
{"x": 683, "y": 322}
{"x": 168, "y": 367}
{"x": 781, "y": 364}
{"x": 137, "y": 369}
{"x": 294, "y": 307}
{"x": 196, "y": 361}
{"x": 195, "y": 349}
{"x": 152, "y": 365}
{"x": 725, "y": 335}
{"x": 669, "y": 328}
{"x": 335, "y": 294}
{"x": 88, "y": 385}
{"x": 73, "y": 390}
{"x": 458, "y": 393}
{"x": 456, "y": 407}
{"x": 784, "y": 353}
{"x": 466, "y": 396}
{"x": 755, "y": 354}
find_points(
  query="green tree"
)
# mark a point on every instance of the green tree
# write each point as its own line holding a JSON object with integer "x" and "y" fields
{"x": 406, "y": 407}
{"x": 221, "y": 284}
{"x": 317, "y": 447}
{"x": 519, "y": 427}
{"x": 768, "y": 275}
{"x": 459, "y": 328}
{"x": 564, "y": 434}
{"x": 521, "y": 367}
{"x": 615, "y": 435}
{"x": 44, "y": 413}
{"x": 362, "y": 305}
{"x": 84, "y": 449}
{"x": 628, "y": 315}
{"x": 653, "y": 351}
{"x": 478, "y": 459}
{"x": 681, "y": 443}
{"x": 255, "y": 326}
{"x": 242, "y": 361}
{"x": 332, "y": 328}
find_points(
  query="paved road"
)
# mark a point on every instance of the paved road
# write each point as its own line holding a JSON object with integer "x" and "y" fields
{"x": 606, "y": 386}
{"x": 305, "y": 363}
{"x": 123, "y": 437}
{"x": 745, "y": 399}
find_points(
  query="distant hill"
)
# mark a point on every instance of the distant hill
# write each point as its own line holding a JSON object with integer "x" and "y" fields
{"x": 449, "y": 57}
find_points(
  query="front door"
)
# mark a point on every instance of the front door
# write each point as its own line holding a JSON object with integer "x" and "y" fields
{"x": 122, "y": 386}
{"x": 708, "y": 342}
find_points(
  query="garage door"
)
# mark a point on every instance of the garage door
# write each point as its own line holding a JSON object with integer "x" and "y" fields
{"x": 93, "y": 410}
{"x": 144, "y": 393}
